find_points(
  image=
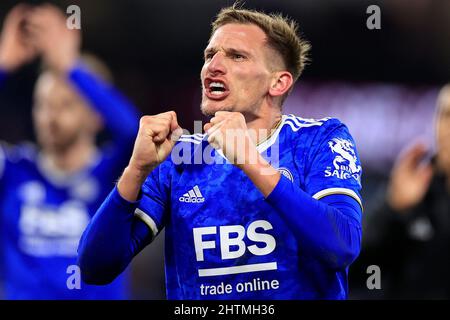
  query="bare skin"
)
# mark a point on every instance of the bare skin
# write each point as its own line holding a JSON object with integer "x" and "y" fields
{"x": 410, "y": 179}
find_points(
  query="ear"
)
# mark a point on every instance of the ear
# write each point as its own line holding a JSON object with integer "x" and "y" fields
{"x": 281, "y": 83}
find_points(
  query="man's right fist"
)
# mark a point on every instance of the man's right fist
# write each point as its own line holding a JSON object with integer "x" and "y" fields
{"x": 155, "y": 140}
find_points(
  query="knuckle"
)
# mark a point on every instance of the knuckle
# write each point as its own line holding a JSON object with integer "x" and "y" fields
{"x": 145, "y": 120}
{"x": 165, "y": 123}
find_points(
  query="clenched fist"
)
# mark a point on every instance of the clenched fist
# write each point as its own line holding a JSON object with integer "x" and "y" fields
{"x": 155, "y": 140}
{"x": 156, "y": 137}
{"x": 228, "y": 132}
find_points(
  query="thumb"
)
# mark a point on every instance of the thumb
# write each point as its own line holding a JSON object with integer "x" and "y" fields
{"x": 175, "y": 135}
{"x": 207, "y": 126}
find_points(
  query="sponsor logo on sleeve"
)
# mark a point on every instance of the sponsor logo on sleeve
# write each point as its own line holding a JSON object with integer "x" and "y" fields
{"x": 345, "y": 163}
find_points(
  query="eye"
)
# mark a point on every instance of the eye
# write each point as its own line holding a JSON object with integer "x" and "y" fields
{"x": 238, "y": 57}
{"x": 208, "y": 56}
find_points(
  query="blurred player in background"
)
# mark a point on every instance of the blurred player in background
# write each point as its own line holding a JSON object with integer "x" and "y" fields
{"x": 49, "y": 193}
{"x": 409, "y": 234}
{"x": 238, "y": 227}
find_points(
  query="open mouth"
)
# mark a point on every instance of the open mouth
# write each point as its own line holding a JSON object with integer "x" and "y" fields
{"x": 215, "y": 89}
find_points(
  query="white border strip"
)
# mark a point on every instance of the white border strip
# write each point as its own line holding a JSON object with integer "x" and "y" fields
{"x": 237, "y": 269}
{"x": 147, "y": 220}
{"x": 189, "y": 140}
{"x": 197, "y": 136}
{"x": 266, "y": 144}
{"x": 331, "y": 191}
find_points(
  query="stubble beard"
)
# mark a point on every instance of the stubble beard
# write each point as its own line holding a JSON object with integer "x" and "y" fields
{"x": 209, "y": 112}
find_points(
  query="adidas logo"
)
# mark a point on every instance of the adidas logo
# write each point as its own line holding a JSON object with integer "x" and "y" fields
{"x": 192, "y": 196}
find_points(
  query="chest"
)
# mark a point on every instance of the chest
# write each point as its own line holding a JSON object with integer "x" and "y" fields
{"x": 34, "y": 206}
{"x": 222, "y": 196}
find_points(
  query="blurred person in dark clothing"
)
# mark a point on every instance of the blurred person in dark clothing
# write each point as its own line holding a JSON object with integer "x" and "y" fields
{"x": 408, "y": 236}
{"x": 49, "y": 192}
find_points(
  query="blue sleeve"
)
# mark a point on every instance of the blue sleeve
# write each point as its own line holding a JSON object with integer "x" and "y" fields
{"x": 154, "y": 204}
{"x": 120, "y": 117}
{"x": 111, "y": 240}
{"x": 326, "y": 216}
{"x": 326, "y": 229}
{"x": 332, "y": 164}
{"x": 121, "y": 229}
{"x": 3, "y": 76}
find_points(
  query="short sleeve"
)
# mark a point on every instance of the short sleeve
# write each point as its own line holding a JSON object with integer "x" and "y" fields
{"x": 153, "y": 207}
{"x": 333, "y": 164}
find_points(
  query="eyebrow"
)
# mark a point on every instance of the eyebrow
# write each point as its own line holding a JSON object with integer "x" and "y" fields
{"x": 227, "y": 51}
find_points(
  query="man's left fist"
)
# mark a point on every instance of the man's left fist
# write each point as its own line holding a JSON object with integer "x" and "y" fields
{"x": 227, "y": 131}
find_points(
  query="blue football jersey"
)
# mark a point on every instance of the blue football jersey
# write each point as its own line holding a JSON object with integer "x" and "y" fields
{"x": 223, "y": 239}
{"x": 43, "y": 214}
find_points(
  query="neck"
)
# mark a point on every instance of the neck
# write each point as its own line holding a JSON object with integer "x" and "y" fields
{"x": 71, "y": 159}
{"x": 262, "y": 125}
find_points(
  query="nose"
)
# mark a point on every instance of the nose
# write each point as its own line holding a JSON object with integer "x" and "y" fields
{"x": 217, "y": 64}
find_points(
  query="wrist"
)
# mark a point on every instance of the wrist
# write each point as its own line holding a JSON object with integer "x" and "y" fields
{"x": 136, "y": 173}
{"x": 66, "y": 67}
{"x": 5, "y": 66}
{"x": 130, "y": 183}
{"x": 262, "y": 174}
{"x": 3, "y": 71}
{"x": 248, "y": 156}
{"x": 397, "y": 206}
{"x": 63, "y": 64}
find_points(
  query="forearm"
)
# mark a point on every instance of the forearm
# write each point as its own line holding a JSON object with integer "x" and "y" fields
{"x": 263, "y": 175}
{"x": 328, "y": 231}
{"x": 120, "y": 116}
{"x": 113, "y": 237}
{"x": 130, "y": 183}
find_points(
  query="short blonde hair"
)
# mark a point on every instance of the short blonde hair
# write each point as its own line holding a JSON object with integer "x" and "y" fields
{"x": 282, "y": 34}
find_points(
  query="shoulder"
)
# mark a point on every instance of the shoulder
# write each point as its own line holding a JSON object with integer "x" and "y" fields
{"x": 296, "y": 123}
{"x": 312, "y": 131}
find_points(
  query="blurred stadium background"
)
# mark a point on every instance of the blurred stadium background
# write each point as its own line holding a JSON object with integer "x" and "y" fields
{"x": 382, "y": 83}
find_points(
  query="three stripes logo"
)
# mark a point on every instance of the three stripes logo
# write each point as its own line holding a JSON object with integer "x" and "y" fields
{"x": 192, "y": 196}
